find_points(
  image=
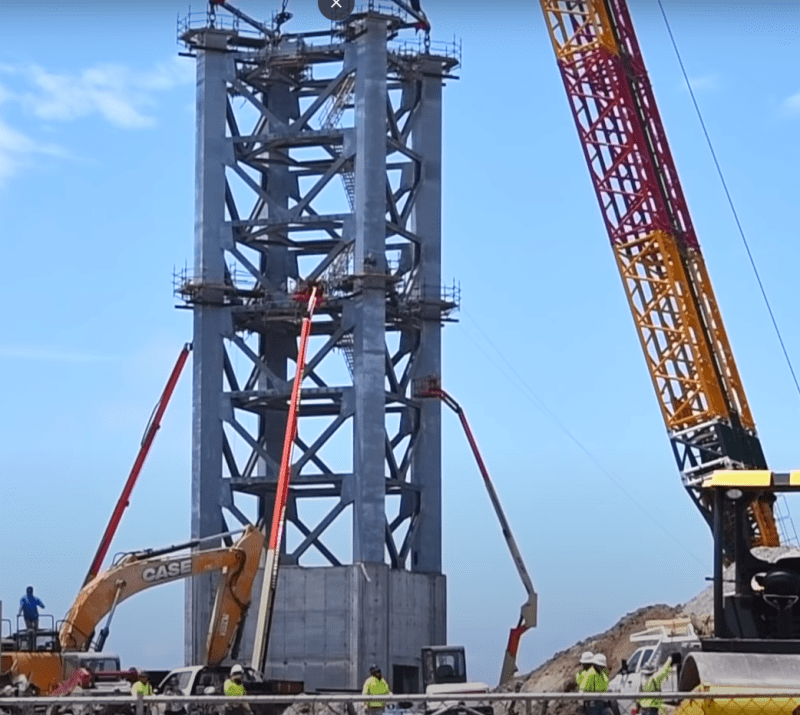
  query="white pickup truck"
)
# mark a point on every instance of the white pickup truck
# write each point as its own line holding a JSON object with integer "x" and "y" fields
{"x": 209, "y": 680}
{"x": 660, "y": 640}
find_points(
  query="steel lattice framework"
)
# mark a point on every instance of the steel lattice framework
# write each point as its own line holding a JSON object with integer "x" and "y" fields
{"x": 318, "y": 160}
{"x": 668, "y": 288}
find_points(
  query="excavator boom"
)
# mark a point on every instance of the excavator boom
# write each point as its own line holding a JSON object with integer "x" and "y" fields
{"x": 136, "y": 573}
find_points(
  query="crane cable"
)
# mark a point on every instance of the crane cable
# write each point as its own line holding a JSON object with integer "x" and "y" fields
{"x": 730, "y": 199}
{"x": 519, "y": 382}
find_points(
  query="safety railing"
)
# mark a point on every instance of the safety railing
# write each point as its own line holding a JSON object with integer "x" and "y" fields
{"x": 47, "y": 622}
{"x": 727, "y": 701}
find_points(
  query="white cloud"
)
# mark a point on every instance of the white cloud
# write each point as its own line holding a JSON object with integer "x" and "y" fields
{"x": 791, "y": 105}
{"x": 16, "y": 149}
{"x": 117, "y": 93}
{"x": 50, "y": 354}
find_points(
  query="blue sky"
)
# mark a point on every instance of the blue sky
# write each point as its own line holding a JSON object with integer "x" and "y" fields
{"x": 96, "y": 208}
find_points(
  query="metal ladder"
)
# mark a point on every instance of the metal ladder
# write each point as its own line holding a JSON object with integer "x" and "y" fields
{"x": 331, "y": 117}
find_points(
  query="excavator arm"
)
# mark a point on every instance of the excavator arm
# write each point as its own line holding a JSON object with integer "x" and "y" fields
{"x": 138, "y": 572}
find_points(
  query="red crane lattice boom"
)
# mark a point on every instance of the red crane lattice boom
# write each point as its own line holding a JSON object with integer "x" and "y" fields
{"x": 658, "y": 255}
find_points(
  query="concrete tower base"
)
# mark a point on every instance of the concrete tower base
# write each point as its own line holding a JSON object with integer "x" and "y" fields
{"x": 331, "y": 623}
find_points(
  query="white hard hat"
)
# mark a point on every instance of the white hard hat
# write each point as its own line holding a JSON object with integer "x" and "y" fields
{"x": 237, "y": 669}
{"x": 600, "y": 661}
{"x": 649, "y": 668}
{"x": 586, "y": 657}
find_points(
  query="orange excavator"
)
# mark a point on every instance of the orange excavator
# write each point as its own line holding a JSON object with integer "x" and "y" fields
{"x": 48, "y": 663}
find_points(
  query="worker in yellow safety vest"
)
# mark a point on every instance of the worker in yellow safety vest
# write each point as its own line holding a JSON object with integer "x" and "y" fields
{"x": 651, "y": 683}
{"x": 586, "y": 664}
{"x": 142, "y": 685}
{"x": 234, "y": 685}
{"x": 376, "y": 685}
{"x": 595, "y": 680}
{"x": 601, "y": 668}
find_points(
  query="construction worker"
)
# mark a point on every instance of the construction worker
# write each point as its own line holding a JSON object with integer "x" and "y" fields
{"x": 601, "y": 667}
{"x": 233, "y": 685}
{"x": 585, "y": 663}
{"x": 375, "y": 685}
{"x": 142, "y": 685}
{"x": 29, "y": 606}
{"x": 593, "y": 681}
{"x": 651, "y": 683}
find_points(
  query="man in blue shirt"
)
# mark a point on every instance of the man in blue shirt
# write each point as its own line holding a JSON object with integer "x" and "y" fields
{"x": 29, "y": 606}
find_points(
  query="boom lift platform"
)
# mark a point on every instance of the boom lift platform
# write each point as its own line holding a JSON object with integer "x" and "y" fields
{"x": 431, "y": 387}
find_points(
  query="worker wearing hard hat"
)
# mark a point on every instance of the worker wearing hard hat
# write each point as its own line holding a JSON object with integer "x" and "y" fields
{"x": 233, "y": 685}
{"x": 142, "y": 685}
{"x": 601, "y": 667}
{"x": 586, "y": 664}
{"x": 652, "y": 680}
{"x": 594, "y": 680}
{"x": 375, "y": 685}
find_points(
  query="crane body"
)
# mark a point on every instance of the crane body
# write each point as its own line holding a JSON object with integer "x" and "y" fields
{"x": 668, "y": 288}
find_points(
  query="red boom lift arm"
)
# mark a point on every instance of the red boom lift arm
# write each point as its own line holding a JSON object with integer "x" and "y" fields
{"x": 147, "y": 441}
{"x": 430, "y": 387}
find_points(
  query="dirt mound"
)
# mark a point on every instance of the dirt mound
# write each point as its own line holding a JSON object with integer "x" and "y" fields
{"x": 557, "y": 675}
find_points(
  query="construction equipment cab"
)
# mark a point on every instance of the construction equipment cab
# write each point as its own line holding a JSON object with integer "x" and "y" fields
{"x": 444, "y": 672}
{"x": 443, "y": 664}
{"x": 756, "y": 641}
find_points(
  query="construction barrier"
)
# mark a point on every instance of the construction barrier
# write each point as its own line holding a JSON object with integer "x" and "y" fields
{"x": 719, "y": 702}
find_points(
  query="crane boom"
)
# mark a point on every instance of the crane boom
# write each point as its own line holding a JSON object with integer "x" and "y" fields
{"x": 430, "y": 387}
{"x": 669, "y": 292}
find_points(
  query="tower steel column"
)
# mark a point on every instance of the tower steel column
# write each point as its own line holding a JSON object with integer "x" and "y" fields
{"x": 426, "y": 141}
{"x": 210, "y": 316}
{"x": 319, "y": 158}
{"x": 369, "y": 300}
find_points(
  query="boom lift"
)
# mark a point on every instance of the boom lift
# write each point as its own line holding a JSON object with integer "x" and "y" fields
{"x": 137, "y": 572}
{"x": 431, "y": 387}
{"x": 144, "y": 449}
{"x": 657, "y": 252}
{"x": 310, "y": 293}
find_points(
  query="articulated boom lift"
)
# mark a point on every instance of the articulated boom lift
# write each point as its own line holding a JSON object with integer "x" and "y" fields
{"x": 431, "y": 387}
{"x": 669, "y": 292}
